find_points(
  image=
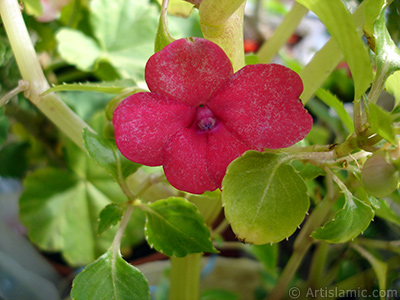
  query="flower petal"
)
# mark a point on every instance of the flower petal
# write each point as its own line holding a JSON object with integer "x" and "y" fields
{"x": 144, "y": 121}
{"x": 260, "y": 105}
{"x": 185, "y": 162}
{"x": 223, "y": 148}
{"x": 188, "y": 70}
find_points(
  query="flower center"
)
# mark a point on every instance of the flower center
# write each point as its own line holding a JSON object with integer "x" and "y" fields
{"x": 205, "y": 119}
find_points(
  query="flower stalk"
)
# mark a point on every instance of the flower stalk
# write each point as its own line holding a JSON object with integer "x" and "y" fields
{"x": 184, "y": 277}
{"x": 222, "y": 23}
{"x": 31, "y": 71}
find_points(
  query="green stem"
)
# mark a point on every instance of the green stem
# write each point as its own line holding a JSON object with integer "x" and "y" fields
{"x": 359, "y": 117}
{"x": 379, "y": 83}
{"x": 184, "y": 277}
{"x": 318, "y": 265}
{"x": 222, "y": 23}
{"x": 217, "y": 13}
{"x": 50, "y": 105}
{"x": 185, "y": 272}
{"x": 120, "y": 232}
{"x": 271, "y": 47}
{"x": 301, "y": 246}
{"x": 22, "y": 87}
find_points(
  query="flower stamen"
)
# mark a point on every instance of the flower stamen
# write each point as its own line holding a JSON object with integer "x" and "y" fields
{"x": 205, "y": 119}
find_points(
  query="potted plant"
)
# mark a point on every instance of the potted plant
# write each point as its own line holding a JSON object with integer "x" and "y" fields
{"x": 177, "y": 136}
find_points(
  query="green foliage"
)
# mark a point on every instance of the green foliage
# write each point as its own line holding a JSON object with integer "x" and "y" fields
{"x": 373, "y": 8}
{"x": 4, "y": 123}
{"x": 384, "y": 211}
{"x": 110, "y": 216}
{"x": 33, "y": 7}
{"x": 380, "y": 206}
{"x": 114, "y": 87}
{"x": 217, "y": 294}
{"x": 347, "y": 223}
{"x": 178, "y": 7}
{"x": 379, "y": 267}
{"x": 347, "y": 38}
{"x": 3, "y": 51}
{"x": 68, "y": 207}
{"x": 175, "y": 228}
{"x": 69, "y": 203}
{"x": 308, "y": 171}
{"x": 381, "y": 123}
{"x": 112, "y": 25}
{"x": 107, "y": 155}
{"x": 14, "y": 159}
{"x": 163, "y": 36}
{"x": 252, "y": 59}
{"x": 264, "y": 198}
{"x": 266, "y": 254}
{"x": 110, "y": 278}
{"x": 335, "y": 104}
{"x": 86, "y": 104}
{"x": 392, "y": 86}
{"x": 393, "y": 21}
{"x": 387, "y": 53}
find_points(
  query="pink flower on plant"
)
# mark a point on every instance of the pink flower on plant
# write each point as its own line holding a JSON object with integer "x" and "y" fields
{"x": 200, "y": 116}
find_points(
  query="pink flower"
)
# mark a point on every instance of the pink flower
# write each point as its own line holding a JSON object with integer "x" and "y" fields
{"x": 199, "y": 116}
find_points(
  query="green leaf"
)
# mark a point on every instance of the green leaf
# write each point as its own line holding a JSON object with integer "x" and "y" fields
{"x": 175, "y": 228}
{"x": 264, "y": 197}
{"x": 381, "y": 122}
{"x": 60, "y": 209}
{"x": 3, "y": 126}
{"x": 337, "y": 106}
{"x": 373, "y": 9}
{"x": 124, "y": 32}
{"x": 14, "y": 159}
{"x": 387, "y": 53}
{"x": 60, "y": 212}
{"x": 383, "y": 210}
{"x": 114, "y": 87}
{"x": 348, "y": 222}
{"x": 110, "y": 216}
{"x": 308, "y": 171}
{"x": 208, "y": 204}
{"x": 107, "y": 155}
{"x": 77, "y": 48}
{"x": 393, "y": 20}
{"x": 392, "y": 86}
{"x": 86, "y": 104}
{"x": 110, "y": 278}
{"x": 346, "y": 36}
